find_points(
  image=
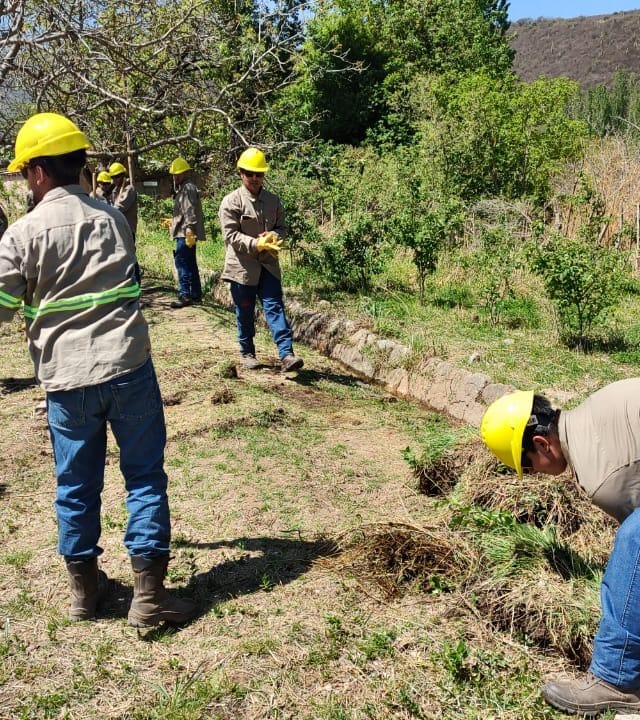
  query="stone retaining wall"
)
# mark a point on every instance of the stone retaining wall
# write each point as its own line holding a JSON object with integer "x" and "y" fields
{"x": 459, "y": 393}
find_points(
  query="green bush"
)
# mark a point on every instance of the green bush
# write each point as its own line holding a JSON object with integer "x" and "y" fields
{"x": 453, "y": 296}
{"x": 519, "y": 311}
{"x": 583, "y": 281}
{"x": 152, "y": 209}
{"x": 351, "y": 257}
{"x": 491, "y": 269}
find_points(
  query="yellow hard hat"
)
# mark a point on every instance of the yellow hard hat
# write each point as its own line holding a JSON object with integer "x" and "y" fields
{"x": 253, "y": 159}
{"x": 46, "y": 135}
{"x": 178, "y": 166}
{"x": 116, "y": 169}
{"x": 104, "y": 177}
{"x": 503, "y": 425}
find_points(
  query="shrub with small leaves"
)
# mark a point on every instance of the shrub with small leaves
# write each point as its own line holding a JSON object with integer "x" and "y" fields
{"x": 583, "y": 280}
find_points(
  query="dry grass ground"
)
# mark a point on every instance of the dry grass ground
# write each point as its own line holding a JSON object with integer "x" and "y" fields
{"x": 266, "y": 472}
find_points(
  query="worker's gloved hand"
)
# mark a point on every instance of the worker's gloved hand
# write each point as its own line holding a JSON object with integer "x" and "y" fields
{"x": 166, "y": 222}
{"x": 270, "y": 242}
{"x": 190, "y": 238}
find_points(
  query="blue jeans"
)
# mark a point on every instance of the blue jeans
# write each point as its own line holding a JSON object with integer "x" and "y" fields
{"x": 187, "y": 267}
{"x": 78, "y": 418}
{"x": 269, "y": 290}
{"x": 616, "y": 647}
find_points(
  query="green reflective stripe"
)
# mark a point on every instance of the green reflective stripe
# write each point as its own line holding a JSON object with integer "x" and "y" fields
{"x": 9, "y": 301}
{"x": 81, "y": 302}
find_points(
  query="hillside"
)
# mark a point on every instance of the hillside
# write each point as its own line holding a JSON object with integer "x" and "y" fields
{"x": 587, "y": 49}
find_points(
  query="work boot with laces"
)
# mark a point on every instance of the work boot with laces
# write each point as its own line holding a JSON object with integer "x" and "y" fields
{"x": 249, "y": 361}
{"x": 182, "y": 301}
{"x": 589, "y": 696}
{"x": 291, "y": 362}
{"x": 152, "y": 603}
{"x": 88, "y": 586}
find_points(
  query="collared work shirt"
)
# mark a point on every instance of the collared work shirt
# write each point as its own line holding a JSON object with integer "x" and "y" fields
{"x": 70, "y": 264}
{"x": 125, "y": 199}
{"x": 187, "y": 212}
{"x": 600, "y": 440}
{"x": 243, "y": 217}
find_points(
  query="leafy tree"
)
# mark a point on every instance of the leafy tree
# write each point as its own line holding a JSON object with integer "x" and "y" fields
{"x": 425, "y": 227}
{"x": 485, "y": 136}
{"x": 341, "y": 71}
{"x": 361, "y": 55}
{"x": 142, "y": 75}
{"x": 583, "y": 280}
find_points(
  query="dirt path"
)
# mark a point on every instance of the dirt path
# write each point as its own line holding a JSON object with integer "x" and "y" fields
{"x": 262, "y": 467}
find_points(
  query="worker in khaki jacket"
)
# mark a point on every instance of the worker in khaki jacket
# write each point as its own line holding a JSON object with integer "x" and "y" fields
{"x": 70, "y": 264}
{"x": 124, "y": 197}
{"x": 187, "y": 227}
{"x": 599, "y": 441}
{"x": 104, "y": 186}
{"x": 252, "y": 221}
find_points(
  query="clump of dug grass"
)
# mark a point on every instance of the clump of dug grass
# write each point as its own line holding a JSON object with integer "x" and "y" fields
{"x": 438, "y": 473}
{"x": 515, "y": 577}
{"x": 540, "y": 500}
{"x": 396, "y": 556}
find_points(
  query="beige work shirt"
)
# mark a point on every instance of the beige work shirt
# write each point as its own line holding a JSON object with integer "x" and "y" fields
{"x": 600, "y": 440}
{"x": 187, "y": 212}
{"x": 69, "y": 264}
{"x": 243, "y": 217}
{"x": 125, "y": 199}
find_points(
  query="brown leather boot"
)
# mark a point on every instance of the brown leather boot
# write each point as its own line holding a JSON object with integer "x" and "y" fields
{"x": 88, "y": 587}
{"x": 152, "y": 603}
{"x": 589, "y": 696}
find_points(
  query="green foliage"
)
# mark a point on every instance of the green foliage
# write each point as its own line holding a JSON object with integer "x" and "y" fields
{"x": 494, "y": 265}
{"x": 360, "y": 56}
{"x": 152, "y": 209}
{"x": 583, "y": 280}
{"x": 488, "y": 136}
{"x": 341, "y": 74}
{"x": 519, "y": 311}
{"x": 453, "y": 296}
{"x": 350, "y": 258}
{"x": 613, "y": 108}
{"x": 453, "y": 657}
{"x": 426, "y": 232}
{"x": 378, "y": 644}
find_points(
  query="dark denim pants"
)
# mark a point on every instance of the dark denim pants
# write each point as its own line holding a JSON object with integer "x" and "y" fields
{"x": 132, "y": 405}
{"x": 187, "y": 267}
{"x": 269, "y": 290}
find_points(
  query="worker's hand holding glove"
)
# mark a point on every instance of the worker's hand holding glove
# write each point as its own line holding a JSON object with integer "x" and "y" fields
{"x": 190, "y": 238}
{"x": 269, "y": 242}
{"x": 166, "y": 222}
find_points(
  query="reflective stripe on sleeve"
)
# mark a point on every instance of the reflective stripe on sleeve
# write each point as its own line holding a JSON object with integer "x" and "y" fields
{"x": 10, "y": 302}
{"x": 81, "y": 302}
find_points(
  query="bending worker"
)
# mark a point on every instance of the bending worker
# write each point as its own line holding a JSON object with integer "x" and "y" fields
{"x": 252, "y": 221}
{"x": 187, "y": 227}
{"x": 70, "y": 262}
{"x": 599, "y": 441}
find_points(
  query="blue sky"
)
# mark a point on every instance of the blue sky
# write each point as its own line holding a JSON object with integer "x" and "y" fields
{"x": 567, "y": 8}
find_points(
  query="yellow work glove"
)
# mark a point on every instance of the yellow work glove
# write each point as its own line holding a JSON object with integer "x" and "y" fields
{"x": 270, "y": 242}
{"x": 166, "y": 222}
{"x": 189, "y": 238}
